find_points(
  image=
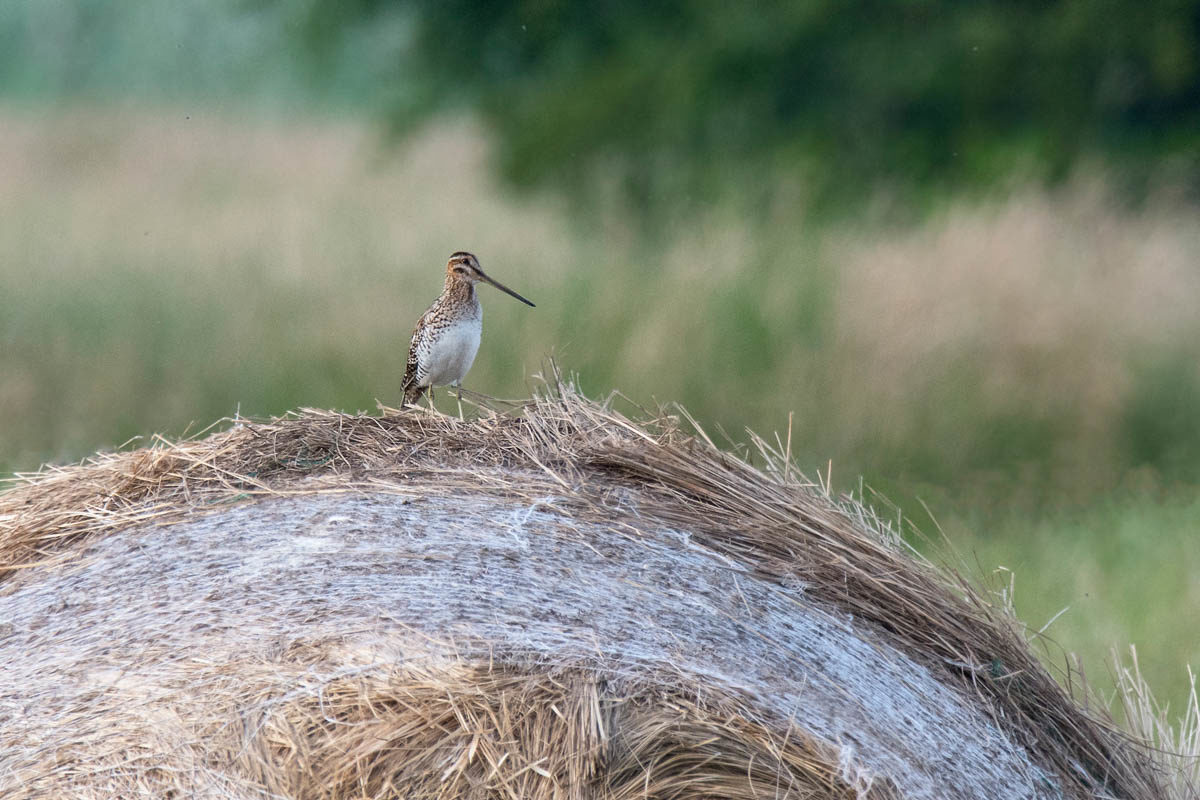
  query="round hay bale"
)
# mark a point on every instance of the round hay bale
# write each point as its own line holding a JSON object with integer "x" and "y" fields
{"x": 564, "y": 604}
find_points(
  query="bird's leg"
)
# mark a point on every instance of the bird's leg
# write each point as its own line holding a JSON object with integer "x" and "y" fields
{"x": 458, "y": 393}
{"x": 432, "y": 407}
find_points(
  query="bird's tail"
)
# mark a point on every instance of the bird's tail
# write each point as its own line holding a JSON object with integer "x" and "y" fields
{"x": 412, "y": 394}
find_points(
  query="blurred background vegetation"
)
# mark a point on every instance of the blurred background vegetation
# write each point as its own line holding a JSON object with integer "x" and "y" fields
{"x": 958, "y": 242}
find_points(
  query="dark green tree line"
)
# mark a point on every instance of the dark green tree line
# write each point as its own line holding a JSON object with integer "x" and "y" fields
{"x": 675, "y": 95}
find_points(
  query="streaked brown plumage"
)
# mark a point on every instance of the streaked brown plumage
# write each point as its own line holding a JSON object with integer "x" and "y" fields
{"x": 446, "y": 338}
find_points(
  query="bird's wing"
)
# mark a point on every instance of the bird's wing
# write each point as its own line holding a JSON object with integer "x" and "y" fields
{"x": 413, "y": 374}
{"x": 411, "y": 369}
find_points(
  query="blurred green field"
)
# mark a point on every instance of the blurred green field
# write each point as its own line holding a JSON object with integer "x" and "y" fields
{"x": 1122, "y": 571}
{"x": 1028, "y": 366}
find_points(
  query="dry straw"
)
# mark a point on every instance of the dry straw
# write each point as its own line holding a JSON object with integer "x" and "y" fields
{"x": 478, "y": 714}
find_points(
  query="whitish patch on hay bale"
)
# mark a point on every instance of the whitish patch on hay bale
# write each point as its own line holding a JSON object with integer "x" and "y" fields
{"x": 478, "y": 581}
{"x": 561, "y": 605}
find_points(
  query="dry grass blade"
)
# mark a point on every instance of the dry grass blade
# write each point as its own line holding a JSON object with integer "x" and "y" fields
{"x": 1178, "y": 744}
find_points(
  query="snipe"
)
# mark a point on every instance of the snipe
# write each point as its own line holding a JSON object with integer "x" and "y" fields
{"x": 446, "y": 338}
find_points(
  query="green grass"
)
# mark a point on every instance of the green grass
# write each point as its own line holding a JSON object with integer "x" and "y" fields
{"x": 161, "y": 268}
{"x": 1125, "y": 571}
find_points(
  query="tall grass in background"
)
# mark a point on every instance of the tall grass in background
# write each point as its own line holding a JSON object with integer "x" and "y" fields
{"x": 1012, "y": 363}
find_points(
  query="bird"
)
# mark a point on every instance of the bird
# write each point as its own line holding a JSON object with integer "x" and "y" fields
{"x": 446, "y": 337}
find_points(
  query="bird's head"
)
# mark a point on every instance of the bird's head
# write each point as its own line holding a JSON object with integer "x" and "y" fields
{"x": 465, "y": 267}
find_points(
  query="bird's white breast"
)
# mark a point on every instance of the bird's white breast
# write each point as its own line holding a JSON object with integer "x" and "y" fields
{"x": 451, "y": 351}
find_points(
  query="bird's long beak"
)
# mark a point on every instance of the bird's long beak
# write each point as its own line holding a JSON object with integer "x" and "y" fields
{"x": 505, "y": 289}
